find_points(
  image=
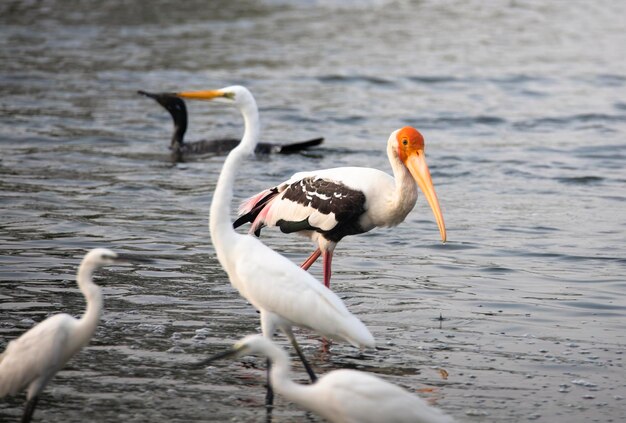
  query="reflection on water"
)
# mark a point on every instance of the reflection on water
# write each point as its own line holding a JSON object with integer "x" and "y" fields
{"x": 524, "y": 120}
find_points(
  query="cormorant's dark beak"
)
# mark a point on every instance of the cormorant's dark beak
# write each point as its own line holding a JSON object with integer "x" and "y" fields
{"x": 147, "y": 94}
{"x": 164, "y": 99}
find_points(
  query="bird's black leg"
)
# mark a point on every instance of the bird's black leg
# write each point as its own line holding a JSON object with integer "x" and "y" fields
{"x": 307, "y": 366}
{"x": 29, "y": 409}
{"x": 268, "y": 415}
{"x": 269, "y": 396}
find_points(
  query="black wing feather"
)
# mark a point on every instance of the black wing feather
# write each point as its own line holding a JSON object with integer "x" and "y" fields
{"x": 252, "y": 214}
{"x": 327, "y": 197}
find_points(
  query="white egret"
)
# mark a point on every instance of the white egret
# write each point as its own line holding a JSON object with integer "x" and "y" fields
{"x": 181, "y": 149}
{"x": 284, "y": 294}
{"x": 340, "y": 396}
{"x": 326, "y": 205}
{"x": 35, "y": 357}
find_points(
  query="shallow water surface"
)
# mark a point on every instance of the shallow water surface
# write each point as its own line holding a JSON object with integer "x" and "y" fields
{"x": 524, "y": 118}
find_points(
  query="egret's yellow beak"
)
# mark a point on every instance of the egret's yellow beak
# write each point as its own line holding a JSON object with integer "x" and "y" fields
{"x": 205, "y": 94}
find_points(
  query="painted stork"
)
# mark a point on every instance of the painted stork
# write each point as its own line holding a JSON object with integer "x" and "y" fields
{"x": 327, "y": 205}
{"x": 284, "y": 294}
{"x": 181, "y": 149}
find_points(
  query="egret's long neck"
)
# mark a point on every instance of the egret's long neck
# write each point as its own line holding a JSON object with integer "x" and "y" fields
{"x": 280, "y": 378}
{"x": 404, "y": 196}
{"x": 222, "y": 233}
{"x": 93, "y": 295}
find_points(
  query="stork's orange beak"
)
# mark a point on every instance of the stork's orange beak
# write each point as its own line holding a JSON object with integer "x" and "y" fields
{"x": 416, "y": 163}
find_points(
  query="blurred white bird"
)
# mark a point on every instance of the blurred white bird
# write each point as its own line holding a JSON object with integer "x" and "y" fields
{"x": 284, "y": 294}
{"x": 340, "y": 396}
{"x": 34, "y": 358}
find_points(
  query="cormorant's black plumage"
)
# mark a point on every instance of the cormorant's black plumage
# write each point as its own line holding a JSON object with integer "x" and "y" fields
{"x": 177, "y": 109}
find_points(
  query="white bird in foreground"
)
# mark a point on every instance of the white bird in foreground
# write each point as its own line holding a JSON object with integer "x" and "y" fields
{"x": 284, "y": 294}
{"x": 340, "y": 396}
{"x": 34, "y": 358}
{"x": 327, "y": 205}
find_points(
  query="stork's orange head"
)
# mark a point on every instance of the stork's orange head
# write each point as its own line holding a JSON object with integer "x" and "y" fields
{"x": 410, "y": 147}
{"x": 410, "y": 141}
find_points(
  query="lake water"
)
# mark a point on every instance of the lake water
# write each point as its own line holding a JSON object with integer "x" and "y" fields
{"x": 523, "y": 107}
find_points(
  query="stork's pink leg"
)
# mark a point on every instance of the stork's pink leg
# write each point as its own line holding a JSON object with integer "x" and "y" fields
{"x": 311, "y": 259}
{"x": 327, "y": 258}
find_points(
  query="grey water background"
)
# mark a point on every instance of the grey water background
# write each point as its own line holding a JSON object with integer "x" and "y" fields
{"x": 522, "y": 104}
